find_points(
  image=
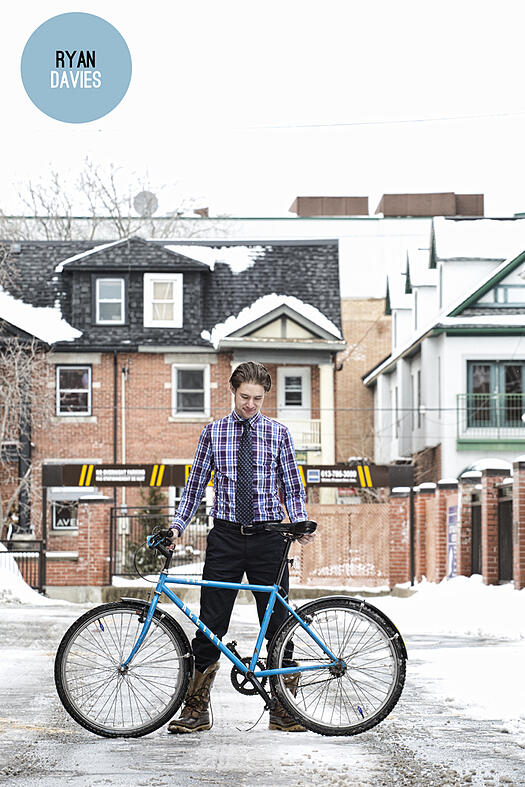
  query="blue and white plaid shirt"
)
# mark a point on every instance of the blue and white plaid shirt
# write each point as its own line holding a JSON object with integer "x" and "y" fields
{"x": 274, "y": 470}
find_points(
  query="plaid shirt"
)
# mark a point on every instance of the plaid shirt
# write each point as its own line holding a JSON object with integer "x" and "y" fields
{"x": 275, "y": 468}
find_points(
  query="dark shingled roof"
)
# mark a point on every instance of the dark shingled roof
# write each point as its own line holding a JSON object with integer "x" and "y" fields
{"x": 308, "y": 270}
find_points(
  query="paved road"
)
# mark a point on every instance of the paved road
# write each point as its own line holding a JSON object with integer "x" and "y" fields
{"x": 422, "y": 743}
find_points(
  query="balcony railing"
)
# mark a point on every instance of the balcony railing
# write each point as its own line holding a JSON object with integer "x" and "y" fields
{"x": 491, "y": 416}
{"x": 306, "y": 433}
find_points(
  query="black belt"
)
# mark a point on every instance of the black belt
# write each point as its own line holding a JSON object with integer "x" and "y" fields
{"x": 243, "y": 530}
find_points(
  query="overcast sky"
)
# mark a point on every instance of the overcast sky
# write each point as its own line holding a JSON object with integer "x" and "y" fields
{"x": 247, "y": 104}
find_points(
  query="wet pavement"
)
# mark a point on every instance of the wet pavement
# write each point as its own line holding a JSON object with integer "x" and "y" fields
{"x": 427, "y": 740}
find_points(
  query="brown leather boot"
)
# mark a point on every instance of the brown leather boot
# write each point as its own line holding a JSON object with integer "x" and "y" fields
{"x": 280, "y": 719}
{"x": 195, "y": 715}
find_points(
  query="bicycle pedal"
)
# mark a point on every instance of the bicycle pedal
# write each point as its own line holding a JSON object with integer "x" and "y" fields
{"x": 232, "y": 647}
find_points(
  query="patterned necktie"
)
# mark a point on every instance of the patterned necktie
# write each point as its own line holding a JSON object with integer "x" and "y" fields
{"x": 244, "y": 488}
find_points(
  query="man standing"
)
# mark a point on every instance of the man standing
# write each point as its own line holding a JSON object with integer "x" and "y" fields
{"x": 253, "y": 460}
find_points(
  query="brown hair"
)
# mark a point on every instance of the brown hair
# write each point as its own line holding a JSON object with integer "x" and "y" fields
{"x": 251, "y": 372}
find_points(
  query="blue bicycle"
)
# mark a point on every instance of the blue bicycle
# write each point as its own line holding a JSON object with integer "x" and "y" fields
{"x": 122, "y": 669}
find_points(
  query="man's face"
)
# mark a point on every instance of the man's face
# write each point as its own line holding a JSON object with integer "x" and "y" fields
{"x": 248, "y": 399}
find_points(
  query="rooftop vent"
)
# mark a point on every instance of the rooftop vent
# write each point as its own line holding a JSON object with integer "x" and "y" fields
{"x": 330, "y": 206}
{"x": 433, "y": 204}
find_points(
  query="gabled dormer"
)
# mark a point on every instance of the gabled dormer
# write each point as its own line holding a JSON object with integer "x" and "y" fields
{"x": 503, "y": 293}
{"x": 133, "y": 291}
{"x": 278, "y": 322}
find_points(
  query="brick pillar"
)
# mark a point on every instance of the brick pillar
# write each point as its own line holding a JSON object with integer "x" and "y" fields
{"x": 518, "y": 523}
{"x": 467, "y": 488}
{"x": 399, "y": 515}
{"x": 423, "y": 491}
{"x": 490, "y": 478}
{"x": 446, "y": 496}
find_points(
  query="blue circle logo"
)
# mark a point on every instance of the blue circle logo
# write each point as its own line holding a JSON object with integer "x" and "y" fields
{"x": 76, "y": 67}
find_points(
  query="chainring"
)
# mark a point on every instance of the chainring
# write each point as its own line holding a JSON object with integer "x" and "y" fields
{"x": 241, "y": 683}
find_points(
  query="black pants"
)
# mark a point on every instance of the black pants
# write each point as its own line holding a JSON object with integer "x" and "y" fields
{"x": 230, "y": 555}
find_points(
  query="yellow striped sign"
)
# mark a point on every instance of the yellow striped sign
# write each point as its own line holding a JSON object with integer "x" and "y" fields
{"x": 85, "y": 475}
{"x": 156, "y": 475}
{"x": 363, "y": 471}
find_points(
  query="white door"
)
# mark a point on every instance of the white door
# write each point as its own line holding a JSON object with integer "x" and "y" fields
{"x": 293, "y": 392}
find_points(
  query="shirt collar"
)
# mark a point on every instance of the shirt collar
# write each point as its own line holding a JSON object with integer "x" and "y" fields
{"x": 236, "y": 418}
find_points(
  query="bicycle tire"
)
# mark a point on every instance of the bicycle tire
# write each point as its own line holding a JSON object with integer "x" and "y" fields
{"x": 368, "y": 689}
{"x": 142, "y": 699}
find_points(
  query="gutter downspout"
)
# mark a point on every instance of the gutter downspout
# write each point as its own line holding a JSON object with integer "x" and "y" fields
{"x": 115, "y": 417}
{"x": 124, "y": 376}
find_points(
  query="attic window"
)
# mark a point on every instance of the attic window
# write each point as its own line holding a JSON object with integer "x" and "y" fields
{"x": 163, "y": 300}
{"x": 504, "y": 295}
{"x": 110, "y": 301}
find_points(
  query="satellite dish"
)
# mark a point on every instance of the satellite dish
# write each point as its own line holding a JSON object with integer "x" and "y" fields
{"x": 145, "y": 203}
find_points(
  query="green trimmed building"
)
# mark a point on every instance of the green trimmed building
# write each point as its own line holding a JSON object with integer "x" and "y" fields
{"x": 452, "y": 391}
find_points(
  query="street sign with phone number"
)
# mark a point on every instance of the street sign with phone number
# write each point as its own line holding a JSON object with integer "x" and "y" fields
{"x": 358, "y": 475}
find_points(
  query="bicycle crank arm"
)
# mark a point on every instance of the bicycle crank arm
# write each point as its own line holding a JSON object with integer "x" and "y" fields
{"x": 270, "y": 702}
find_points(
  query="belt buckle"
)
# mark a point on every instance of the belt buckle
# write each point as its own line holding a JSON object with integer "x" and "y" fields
{"x": 243, "y": 531}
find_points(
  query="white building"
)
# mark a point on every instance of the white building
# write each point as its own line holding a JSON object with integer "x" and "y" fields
{"x": 455, "y": 379}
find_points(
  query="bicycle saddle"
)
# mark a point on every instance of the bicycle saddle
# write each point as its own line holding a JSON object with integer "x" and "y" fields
{"x": 293, "y": 528}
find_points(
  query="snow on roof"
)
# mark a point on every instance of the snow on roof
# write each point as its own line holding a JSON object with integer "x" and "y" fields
{"x": 239, "y": 258}
{"x": 59, "y": 268}
{"x": 44, "y": 322}
{"x": 483, "y": 319}
{"x": 479, "y": 238}
{"x": 444, "y": 320}
{"x": 420, "y": 274}
{"x": 490, "y": 463}
{"x": 264, "y": 305}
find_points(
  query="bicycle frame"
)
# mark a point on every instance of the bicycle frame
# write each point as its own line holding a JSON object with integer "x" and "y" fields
{"x": 274, "y": 595}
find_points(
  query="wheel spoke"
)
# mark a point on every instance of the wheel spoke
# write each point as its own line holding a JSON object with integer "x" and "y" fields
{"x": 356, "y": 693}
{"x": 108, "y": 699}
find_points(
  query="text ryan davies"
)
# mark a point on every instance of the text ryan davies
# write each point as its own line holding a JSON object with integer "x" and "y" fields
{"x": 75, "y": 69}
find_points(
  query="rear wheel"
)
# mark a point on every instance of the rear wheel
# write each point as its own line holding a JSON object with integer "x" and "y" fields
{"x": 113, "y": 702}
{"x": 349, "y": 698}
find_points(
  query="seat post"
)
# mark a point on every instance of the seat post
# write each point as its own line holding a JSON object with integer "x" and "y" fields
{"x": 284, "y": 560}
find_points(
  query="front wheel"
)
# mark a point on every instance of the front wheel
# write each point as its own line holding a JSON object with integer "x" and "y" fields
{"x": 110, "y": 701}
{"x": 358, "y": 693}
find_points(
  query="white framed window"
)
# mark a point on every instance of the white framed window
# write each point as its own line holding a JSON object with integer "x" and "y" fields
{"x": 109, "y": 301}
{"x": 163, "y": 300}
{"x": 190, "y": 386}
{"x": 73, "y": 390}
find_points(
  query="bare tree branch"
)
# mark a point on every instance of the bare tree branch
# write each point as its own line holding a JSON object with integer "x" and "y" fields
{"x": 98, "y": 203}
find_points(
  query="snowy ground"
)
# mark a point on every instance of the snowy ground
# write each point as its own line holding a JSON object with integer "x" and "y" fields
{"x": 460, "y": 720}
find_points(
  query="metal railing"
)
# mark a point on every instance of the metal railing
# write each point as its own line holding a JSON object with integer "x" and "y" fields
{"x": 491, "y": 416}
{"x": 306, "y": 433}
{"x": 26, "y": 557}
{"x": 129, "y": 528}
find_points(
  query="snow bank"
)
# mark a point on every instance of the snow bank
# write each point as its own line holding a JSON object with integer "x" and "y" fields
{"x": 461, "y": 606}
{"x": 44, "y": 322}
{"x": 13, "y": 588}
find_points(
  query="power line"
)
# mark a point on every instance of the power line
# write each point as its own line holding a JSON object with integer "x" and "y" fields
{"x": 405, "y": 121}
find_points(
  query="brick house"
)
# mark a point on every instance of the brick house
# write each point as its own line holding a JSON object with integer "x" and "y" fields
{"x": 161, "y": 325}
